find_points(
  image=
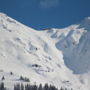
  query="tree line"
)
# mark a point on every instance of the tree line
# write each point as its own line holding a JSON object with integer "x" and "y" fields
{"x": 32, "y": 87}
{"x": 29, "y": 86}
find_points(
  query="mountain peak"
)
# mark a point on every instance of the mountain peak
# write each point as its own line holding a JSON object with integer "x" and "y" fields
{"x": 87, "y": 18}
{"x": 85, "y": 23}
{"x": 2, "y": 14}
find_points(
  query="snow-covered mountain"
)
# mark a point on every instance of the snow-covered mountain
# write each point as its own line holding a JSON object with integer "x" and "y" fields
{"x": 57, "y": 56}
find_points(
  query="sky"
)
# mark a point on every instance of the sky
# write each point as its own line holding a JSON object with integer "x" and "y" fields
{"x": 40, "y": 14}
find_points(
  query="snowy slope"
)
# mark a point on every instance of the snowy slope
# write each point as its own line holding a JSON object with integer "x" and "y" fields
{"x": 55, "y": 56}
